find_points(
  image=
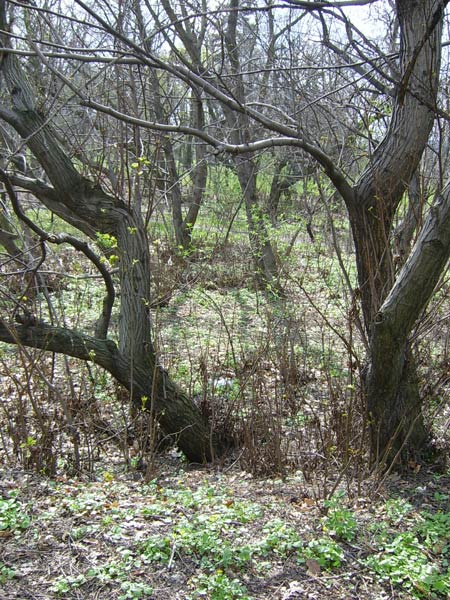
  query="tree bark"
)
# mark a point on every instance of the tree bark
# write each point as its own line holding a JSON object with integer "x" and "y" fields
{"x": 393, "y": 396}
{"x": 280, "y": 184}
{"x": 150, "y": 386}
{"x": 263, "y": 255}
{"x": 382, "y": 185}
{"x": 404, "y": 232}
{"x": 392, "y": 389}
{"x": 88, "y": 208}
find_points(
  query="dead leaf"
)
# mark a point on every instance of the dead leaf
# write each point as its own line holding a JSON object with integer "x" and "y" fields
{"x": 309, "y": 502}
{"x": 313, "y": 566}
{"x": 5, "y": 533}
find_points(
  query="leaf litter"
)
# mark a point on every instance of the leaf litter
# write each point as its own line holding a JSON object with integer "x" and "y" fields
{"x": 196, "y": 532}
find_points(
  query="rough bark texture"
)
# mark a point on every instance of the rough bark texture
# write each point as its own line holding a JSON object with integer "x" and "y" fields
{"x": 282, "y": 180}
{"x": 394, "y": 401}
{"x": 404, "y": 232}
{"x": 382, "y": 185}
{"x": 175, "y": 411}
{"x": 262, "y": 251}
{"x": 392, "y": 392}
{"x": 88, "y": 208}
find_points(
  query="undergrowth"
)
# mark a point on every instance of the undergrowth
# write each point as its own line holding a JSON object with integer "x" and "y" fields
{"x": 225, "y": 545}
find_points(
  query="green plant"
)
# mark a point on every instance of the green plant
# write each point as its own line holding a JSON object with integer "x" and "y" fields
{"x": 404, "y": 563}
{"x": 279, "y": 538}
{"x": 156, "y": 548}
{"x": 79, "y": 533}
{"x": 6, "y": 573}
{"x": 325, "y": 551}
{"x": 111, "y": 571}
{"x": 340, "y": 521}
{"x": 435, "y": 529}
{"x": 135, "y": 589}
{"x": 208, "y": 534}
{"x": 396, "y": 509}
{"x": 63, "y": 585}
{"x": 218, "y": 586}
{"x": 204, "y": 537}
{"x": 441, "y": 497}
{"x": 12, "y": 515}
{"x": 106, "y": 240}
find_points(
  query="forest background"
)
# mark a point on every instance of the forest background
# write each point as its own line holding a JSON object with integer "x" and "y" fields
{"x": 225, "y": 232}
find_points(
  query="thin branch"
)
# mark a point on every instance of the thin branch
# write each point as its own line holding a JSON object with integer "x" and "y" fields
{"x": 317, "y": 5}
{"x": 101, "y": 330}
{"x": 74, "y": 56}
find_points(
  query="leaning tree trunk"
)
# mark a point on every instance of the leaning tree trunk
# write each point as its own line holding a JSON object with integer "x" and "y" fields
{"x": 394, "y": 401}
{"x": 89, "y": 209}
{"x": 150, "y": 385}
{"x": 392, "y": 390}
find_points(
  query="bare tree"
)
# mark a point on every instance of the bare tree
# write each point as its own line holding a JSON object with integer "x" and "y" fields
{"x": 89, "y": 208}
{"x": 301, "y": 114}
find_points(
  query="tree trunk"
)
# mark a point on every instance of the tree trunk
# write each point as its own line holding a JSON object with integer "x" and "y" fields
{"x": 404, "y": 232}
{"x": 183, "y": 226}
{"x": 393, "y": 398}
{"x": 88, "y": 208}
{"x": 246, "y": 168}
{"x": 263, "y": 255}
{"x": 200, "y": 168}
{"x": 281, "y": 183}
{"x": 150, "y": 386}
{"x": 394, "y": 402}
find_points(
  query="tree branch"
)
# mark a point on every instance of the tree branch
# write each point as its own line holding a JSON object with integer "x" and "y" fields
{"x": 413, "y": 112}
{"x": 317, "y": 5}
{"x": 421, "y": 272}
{"x": 101, "y": 329}
{"x": 52, "y": 200}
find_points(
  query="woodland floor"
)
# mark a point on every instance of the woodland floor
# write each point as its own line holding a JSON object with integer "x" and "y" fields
{"x": 197, "y": 532}
{"x": 183, "y": 532}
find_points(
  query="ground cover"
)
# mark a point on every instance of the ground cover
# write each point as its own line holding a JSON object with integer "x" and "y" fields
{"x": 90, "y": 509}
{"x": 195, "y": 532}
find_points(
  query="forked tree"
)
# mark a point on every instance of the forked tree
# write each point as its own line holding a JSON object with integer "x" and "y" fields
{"x": 90, "y": 209}
{"x": 391, "y": 302}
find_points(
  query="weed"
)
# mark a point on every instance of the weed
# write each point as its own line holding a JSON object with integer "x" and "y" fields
{"x": 327, "y": 552}
{"x": 156, "y": 548}
{"x": 6, "y": 573}
{"x": 204, "y": 537}
{"x": 208, "y": 535}
{"x": 218, "y": 586}
{"x": 79, "y": 533}
{"x": 63, "y": 585}
{"x": 12, "y": 515}
{"x": 280, "y": 538}
{"x": 340, "y": 521}
{"x": 135, "y": 589}
{"x": 405, "y": 563}
{"x": 441, "y": 497}
{"x": 435, "y": 529}
{"x": 397, "y": 509}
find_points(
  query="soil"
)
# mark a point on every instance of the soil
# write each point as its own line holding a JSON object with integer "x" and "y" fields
{"x": 80, "y": 523}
